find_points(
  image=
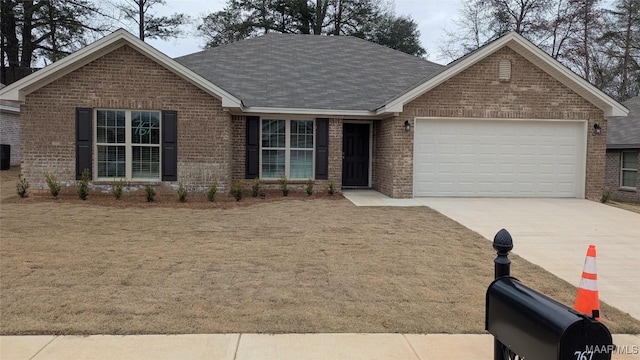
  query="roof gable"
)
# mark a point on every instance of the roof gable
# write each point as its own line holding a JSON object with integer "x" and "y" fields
{"x": 17, "y": 91}
{"x": 519, "y": 44}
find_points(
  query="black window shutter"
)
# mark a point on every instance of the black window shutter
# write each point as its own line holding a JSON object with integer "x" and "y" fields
{"x": 322, "y": 149}
{"x": 252, "y": 160}
{"x": 84, "y": 124}
{"x": 169, "y": 145}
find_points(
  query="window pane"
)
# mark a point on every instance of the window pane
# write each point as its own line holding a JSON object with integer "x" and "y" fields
{"x": 273, "y": 133}
{"x": 629, "y": 160}
{"x": 146, "y": 162}
{"x": 102, "y": 134}
{"x": 272, "y": 163}
{"x": 111, "y": 161}
{"x": 301, "y": 134}
{"x": 145, "y": 127}
{"x": 629, "y": 178}
{"x": 110, "y": 127}
{"x": 301, "y": 164}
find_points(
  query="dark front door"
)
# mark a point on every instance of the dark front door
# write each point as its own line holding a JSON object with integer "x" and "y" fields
{"x": 355, "y": 155}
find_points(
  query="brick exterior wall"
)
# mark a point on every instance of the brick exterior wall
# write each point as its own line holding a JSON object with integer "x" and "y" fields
{"x": 10, "y": 134}
{"x": 390, "y": 163}
{"x": 477, "y": 93}
{"x": 125, "y": 79}
{"x": 335, "y": 157}
{"x": 612, "y": 179}
{"x": 211, "y": 142}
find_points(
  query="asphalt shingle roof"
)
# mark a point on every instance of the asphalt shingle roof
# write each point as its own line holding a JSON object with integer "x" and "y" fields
{"x": 311, "y": 72}
{"x": 624, "y": 132}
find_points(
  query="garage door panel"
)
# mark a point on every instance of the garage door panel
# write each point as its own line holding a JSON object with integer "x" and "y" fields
{"x": 499, "y": 158}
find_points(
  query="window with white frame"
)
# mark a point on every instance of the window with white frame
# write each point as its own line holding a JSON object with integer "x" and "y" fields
{"x": 286, "y": 149}
{"x": 127, "y": 144}
{"x": 629, "y": 168}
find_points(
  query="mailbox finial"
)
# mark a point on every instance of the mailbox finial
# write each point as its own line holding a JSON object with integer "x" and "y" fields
{"x": 502, "y": 243}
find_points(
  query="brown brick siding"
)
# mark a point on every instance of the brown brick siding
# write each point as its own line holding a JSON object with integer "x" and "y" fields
{"x": 125, "y": 79}
{"x": 391, "y": 162}
{"x": 477, "y": 93}
{"x": 612, "y": 179}
{"x": 10, "y": 134}
{"x": 335, "y": 153}
{"x": 335, "y": 157}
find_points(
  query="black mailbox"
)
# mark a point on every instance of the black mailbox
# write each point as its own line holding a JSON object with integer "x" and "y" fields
{"x": 535, "y": 326}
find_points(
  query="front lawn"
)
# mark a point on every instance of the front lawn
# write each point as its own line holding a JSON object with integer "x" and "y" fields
{"x": 294, "y": 266}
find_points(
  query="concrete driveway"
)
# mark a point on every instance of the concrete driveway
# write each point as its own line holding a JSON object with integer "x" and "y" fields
{"x": 555, "y": 234}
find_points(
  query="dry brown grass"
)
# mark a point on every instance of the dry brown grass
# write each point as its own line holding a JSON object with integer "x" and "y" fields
{"x": 633, "y": 207}
{"x": 72, "y": 267}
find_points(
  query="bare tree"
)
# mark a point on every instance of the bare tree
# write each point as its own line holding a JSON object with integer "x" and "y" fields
{"x": 620, "y": 43}
{"x": 149, "y": 25}
{"x": 44, "y": 31}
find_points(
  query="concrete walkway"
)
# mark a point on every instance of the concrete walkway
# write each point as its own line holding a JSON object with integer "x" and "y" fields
{"x": 267, "y": 347}
{"x": 552, "y": 233}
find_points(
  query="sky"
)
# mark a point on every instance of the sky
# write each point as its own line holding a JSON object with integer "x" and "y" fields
{"x": 432, "y": 16}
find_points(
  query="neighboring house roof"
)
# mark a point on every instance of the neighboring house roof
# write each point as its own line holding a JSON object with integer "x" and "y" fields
{"x": 17, "y": 91}
{"x": 624, "y": 132}
{"x": 310, "y": 72}
{"x": 7, "y": 106}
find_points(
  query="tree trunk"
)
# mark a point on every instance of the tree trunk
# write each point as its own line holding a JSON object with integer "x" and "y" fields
{"x": 624, "y": 91}
{"x": 141, "y": 18}
{"x": 337, "y": 18}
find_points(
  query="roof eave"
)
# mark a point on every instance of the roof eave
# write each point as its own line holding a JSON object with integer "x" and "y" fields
{"x": 11, "y": 109}
{"x": 623, "y": 146}
{"x": 18, "y": 90}
{"x": 304, "y": 112}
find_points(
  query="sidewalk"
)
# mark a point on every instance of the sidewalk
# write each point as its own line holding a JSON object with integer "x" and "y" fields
{"x": 267, "y": 347}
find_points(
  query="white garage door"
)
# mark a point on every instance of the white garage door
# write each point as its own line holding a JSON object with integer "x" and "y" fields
{"x": 487, "y": 158}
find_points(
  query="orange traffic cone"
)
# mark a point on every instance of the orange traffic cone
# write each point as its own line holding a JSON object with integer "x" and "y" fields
{"x": 587, "y": 300}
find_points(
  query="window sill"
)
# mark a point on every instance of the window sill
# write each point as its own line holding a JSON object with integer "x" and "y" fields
{"x": 627, "y": 189}
{"x": 277, "y": 181}
{"x": 128, "y": 182}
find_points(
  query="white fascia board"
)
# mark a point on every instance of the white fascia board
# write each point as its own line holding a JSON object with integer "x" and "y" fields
{"x": 311, "y": 112}
{"x": 227, "y": 99}
{"x": 18, "y": 90}
{"x": 397, "y": 104}
{"x": 11, "y": 109}
{"x": 570, "y": 79}
{"x": 609, "y": 106}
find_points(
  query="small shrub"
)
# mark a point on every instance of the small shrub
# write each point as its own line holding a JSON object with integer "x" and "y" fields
{"x": 83, "y": 185}
{"x": 255, "y": 187}
{"x": 22, "y": 186}
{"x": 182, "y": 193}
{"x": 606, "y": 196}
{"x": 284, "y": 185}
{"x": 236, "y": 191}
{"x": 116, "y": 188}
{"x": 309, "y": 188}
{"x": 213, "y": 189}
{"x": 331, "y": 188}
{"x": 150, "y": 193}
{"x": 54, "y": 185}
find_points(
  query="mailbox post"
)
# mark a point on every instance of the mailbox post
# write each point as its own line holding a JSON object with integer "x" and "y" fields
{"x": 502, "y": 243}
{"x": 528, "y": 324}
